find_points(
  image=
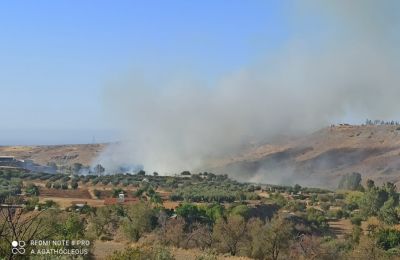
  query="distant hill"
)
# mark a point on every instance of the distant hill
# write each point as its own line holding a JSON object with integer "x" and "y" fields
{"x": 319, "y": 159}
{"x": 60, "y": 154}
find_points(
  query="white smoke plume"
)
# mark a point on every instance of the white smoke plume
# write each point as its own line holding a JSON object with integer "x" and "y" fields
{"x": 351, "y": 65}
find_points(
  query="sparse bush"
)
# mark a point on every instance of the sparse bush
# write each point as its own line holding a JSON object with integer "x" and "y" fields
{"x": 140, "y": 218}
{"x": 325, "y": 206}
{"x": 32, "y": 190}
{"x": 229, "y": 234}
{"x": 74, "y": 185}
{"x": 31, "y": 203}
{"x": 116, "y": 192}
{"x": 64, "y": 185}
{"x": 356, "y": 220}
{"x": 338, "y": 214}
{"x": 97, "y": 193}
{"x": 49, "y": 204}
{"x": 295, "y": 206}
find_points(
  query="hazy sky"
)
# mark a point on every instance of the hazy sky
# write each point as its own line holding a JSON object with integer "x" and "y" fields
{"x": 59, "y": 59}
{"x": 57, "y": 56}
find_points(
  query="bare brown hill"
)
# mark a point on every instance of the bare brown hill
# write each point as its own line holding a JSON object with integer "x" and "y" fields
{"x": 320, "y": 158}
{"x": 60, "y": 154}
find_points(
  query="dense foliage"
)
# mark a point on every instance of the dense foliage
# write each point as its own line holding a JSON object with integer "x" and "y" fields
{"x": 211, "y": 213}
{"x": 213, "y": 192}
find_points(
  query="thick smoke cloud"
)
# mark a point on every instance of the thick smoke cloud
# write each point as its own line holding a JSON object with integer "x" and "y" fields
{"x": 349, "y": 65}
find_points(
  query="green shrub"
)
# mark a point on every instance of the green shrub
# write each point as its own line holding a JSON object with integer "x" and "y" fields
{"x": 356, "y": 220}
{"x": 97, "y": 193}
{"x": 32, "y": 190}
{"x": 388, "y": 238}
{"x": 74, "y": 184}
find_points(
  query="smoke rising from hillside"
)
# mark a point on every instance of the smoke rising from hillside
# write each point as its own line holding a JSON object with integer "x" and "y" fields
{"x": 351, "y": 66}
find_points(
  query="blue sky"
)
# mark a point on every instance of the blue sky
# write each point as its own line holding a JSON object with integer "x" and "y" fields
{"x": 57, "y": 56}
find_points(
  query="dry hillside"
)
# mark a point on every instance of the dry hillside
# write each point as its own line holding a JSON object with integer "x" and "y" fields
{"x": 61, "y": 154}
{"x": 320, "y": 158}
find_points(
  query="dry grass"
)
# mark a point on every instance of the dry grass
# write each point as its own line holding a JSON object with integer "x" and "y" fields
{"x": 170, "y": 204}
{"x": 102, "y": 249}
{"x": 341, "y": 227}
{"x": 76, "y": 194}
{"x": 61, "y": 154}
{"x": 67, "y": 202}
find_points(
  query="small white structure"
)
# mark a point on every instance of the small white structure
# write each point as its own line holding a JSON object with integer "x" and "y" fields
{"x": 121, "y": 197}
